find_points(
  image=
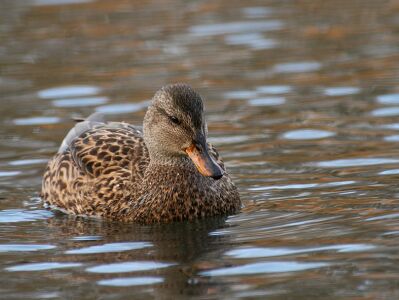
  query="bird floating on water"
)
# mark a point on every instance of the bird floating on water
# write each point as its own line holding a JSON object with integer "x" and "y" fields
{"x": 162, "y": 172}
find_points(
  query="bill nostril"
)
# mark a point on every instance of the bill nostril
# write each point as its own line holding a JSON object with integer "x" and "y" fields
{"x": 198, "y": 146}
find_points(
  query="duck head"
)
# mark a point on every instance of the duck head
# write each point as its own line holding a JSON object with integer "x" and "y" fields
{"x": 175, "y": 130}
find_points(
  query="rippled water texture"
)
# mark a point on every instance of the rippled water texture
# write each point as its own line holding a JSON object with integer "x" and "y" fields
{"x": 302, "y": 100}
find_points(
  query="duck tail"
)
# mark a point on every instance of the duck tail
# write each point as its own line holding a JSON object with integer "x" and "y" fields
{"x": 94, "y": 117}
{"x": 82, "y": 126}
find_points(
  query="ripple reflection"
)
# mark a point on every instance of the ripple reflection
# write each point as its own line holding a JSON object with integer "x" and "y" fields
{"x": 389, "y": 99}
{"x": 24, "y": 247}
{"x": 235, "y": 27}
{"x": 265, "y": 267}
{"x": 129, "y": 266}
{"x": 42, "y": 266}
{"x": 110, "y": 247}
{"x": 21, "y": 215}
{"x": 297, "y": 67}
{"x": 272, "y": 252}
{"x": 68, "y": 91}
{"x": 131, "y": 281}
{"x": 354, "y": 162}
{"x": 307, "y": 134}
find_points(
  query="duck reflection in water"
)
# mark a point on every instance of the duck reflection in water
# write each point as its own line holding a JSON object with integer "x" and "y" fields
{"x": 179, "y": 245}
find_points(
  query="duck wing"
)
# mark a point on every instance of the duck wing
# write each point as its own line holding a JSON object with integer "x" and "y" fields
{"x": 99, "y": 148}
{"x": 97, "y": 168}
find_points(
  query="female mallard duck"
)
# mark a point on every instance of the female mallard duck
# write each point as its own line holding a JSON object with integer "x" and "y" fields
{"x": 165, "y": 172}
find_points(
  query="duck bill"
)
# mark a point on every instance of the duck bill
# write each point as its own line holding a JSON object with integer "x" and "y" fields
{"x": 203, "y": 161}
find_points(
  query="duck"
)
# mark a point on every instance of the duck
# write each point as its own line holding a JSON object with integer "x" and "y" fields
{"x": 162, "y": 172}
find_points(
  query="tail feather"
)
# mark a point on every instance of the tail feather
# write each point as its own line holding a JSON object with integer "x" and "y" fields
{"x": 81, "y": 127}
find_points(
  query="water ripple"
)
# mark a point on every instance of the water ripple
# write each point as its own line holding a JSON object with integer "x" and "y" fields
{"x": 9, "y": 173}
{"x": 37, "y": 121}
{"x": 24, "y": 247}
{"x": 235, "y": 27}
{"x": 389, "y": 172}
{"x": 274, "y": 89}
{"x": 68, "y": 91}
{"x": 240, "y": 94}
{"x": 384, "y": 217}
{"x": 129, "y": 266}
{"x": 303, "y": 186}
{"x": 307, "y": 134}
{"x": 393, "y": 126}
{"x": 21, "y": 215}
{"x": 110, "y": 247}
{"x": 267, "y": 101}
{"x": 341, "y": 91}
{"x": 131, "y": 281}
{"x": 256, "y": 12}
{"x": 386, "y": 112}
{"x": 86, "y": 238}
{"x": 354, "y": 162}
{"x": 265, "y": 268}
{"x": 297, "y": 67}
{"x": 27, "y": 162}
{"x": 254, "y": 40}
{"x": 271, "y": 252}
{"x": 42, "y": 266}
{"x": 392, "y": 138}
{"x": 122, "y": 108}
{"x": 389, "y": 99}
{"x": 222, "y": 140}
{"x": 80, "y": 102}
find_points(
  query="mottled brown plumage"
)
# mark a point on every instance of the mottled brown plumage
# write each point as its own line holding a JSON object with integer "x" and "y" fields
{"x": 165, "y": 172}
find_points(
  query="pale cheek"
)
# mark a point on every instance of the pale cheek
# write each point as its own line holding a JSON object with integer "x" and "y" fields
{"x": 182, "y": 140}
{"x": 169, "y": 139}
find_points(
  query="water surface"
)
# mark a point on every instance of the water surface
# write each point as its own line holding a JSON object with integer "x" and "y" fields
{"x": 302, "y": 102}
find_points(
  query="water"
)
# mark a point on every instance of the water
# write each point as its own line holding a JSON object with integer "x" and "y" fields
{"x": 302, "y": 101}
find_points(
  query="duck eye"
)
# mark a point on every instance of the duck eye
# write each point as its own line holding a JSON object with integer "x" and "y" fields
{"x": 174, "y": 119}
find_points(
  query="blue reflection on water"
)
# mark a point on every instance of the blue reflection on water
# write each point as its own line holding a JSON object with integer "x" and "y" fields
{"x": 129, "y": 266}
{"x": 24, "y": 247}
{"x": 355, "y": 162}
{"x": 131, "y": 281}
{"x": 265, "y": 267}
{"x": 341, "y": 91}
{"x": 37, "y": 121}
{"x": 271, "y": 252}
{"x": 110, "y": 247}
{"x": 43, "y": 266}
{"x": 68, "y": 91}
{"x": 21, "y": 215}
{"x": 235, "y": 27}
{"x": 307, "y": 134}
{"x": 388, "y": 99}
{"x": 80, "y": 102}
{"x": 267, "y": 101}
{"x": 297, "y": 67}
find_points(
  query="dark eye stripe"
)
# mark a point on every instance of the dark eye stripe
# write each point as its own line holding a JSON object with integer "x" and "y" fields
{"x": 163, "y": 112}
{"x": 172, "y": 118}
